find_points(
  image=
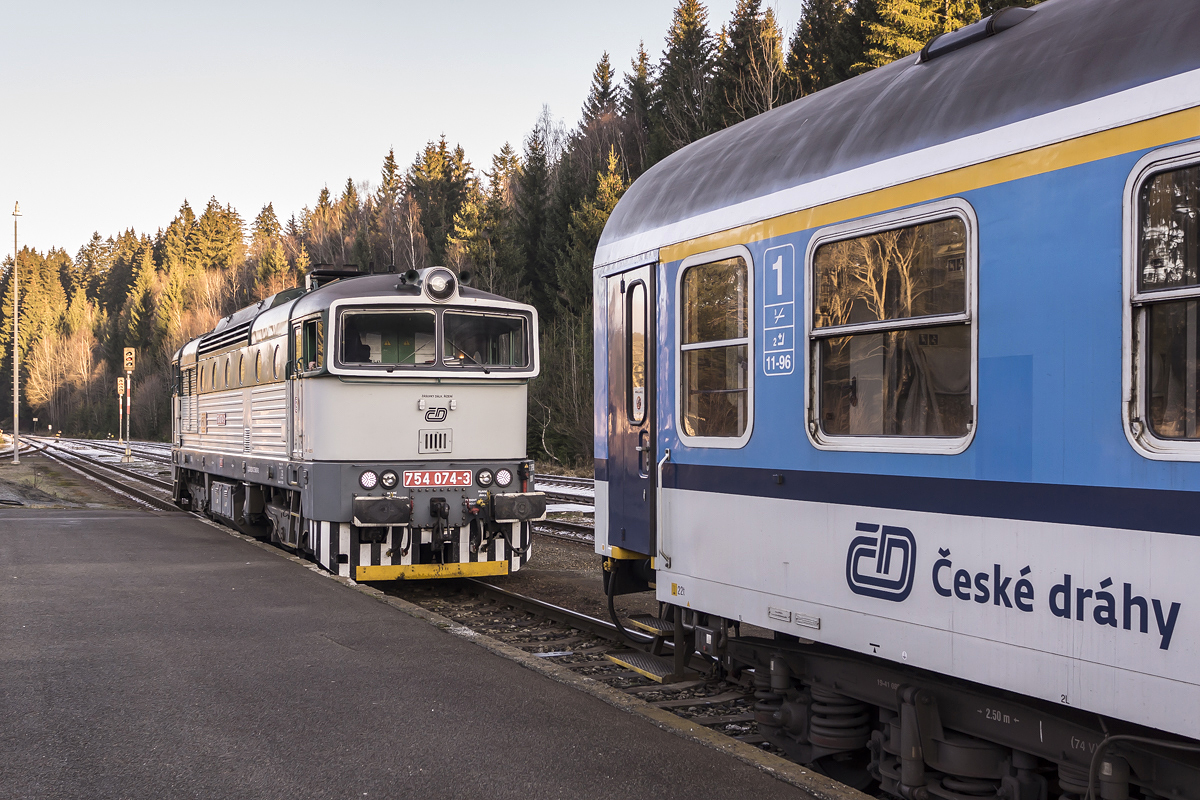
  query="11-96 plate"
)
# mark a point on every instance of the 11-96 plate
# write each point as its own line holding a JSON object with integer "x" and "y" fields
{"x": 437, "y": 477}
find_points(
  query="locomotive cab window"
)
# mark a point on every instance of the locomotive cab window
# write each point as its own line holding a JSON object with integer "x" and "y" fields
{"x": 484, "y": 341}
{"x": 891, "y": 342}
{"x": 1165, "y": 312}
{"x": 388, "y": 338}
{"x": 714, "y": 401}
{"x": 314, "y": 345}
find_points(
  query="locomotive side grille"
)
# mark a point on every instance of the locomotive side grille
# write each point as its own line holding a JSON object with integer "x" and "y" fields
{"x": 437, "y": 440}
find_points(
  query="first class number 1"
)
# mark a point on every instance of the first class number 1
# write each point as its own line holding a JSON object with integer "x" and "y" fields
{"x": 437, "y": 477}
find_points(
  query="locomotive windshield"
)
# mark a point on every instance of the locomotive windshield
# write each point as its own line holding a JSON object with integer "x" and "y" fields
{"x": 400, "y": 338}
{"x": 470, "y": 340}
{"x": 484, "y": 340}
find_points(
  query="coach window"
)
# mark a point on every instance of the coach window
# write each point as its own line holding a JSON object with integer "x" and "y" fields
{"x": 635, "y": 332}
{"x": 277, "y": 362}
{"x": 1166, "y": 305}
{"x": 714, "y": 352}
{"x": 892, "y": 365}
{"x": 241, "y": 369}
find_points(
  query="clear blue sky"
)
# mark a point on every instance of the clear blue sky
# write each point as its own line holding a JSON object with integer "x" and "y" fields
{"x": 114, "y": 112}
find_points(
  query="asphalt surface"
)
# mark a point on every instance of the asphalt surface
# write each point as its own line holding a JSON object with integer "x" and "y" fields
{"x": 148, "y": 655}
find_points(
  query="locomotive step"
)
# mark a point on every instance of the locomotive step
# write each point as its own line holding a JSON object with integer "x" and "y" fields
{"x": 652, "y": 624}
{"x": 656, "y": 668}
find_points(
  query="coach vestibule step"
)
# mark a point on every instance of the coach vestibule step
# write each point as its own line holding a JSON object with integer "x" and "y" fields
{"x": 652, "y": 624}
{"x": 656, "y": 668}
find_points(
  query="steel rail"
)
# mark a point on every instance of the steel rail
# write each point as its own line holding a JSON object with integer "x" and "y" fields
{"x": 105, "y": 444}
{"x": 565, "y": 616}
{"x": 578, "y": 499}
{"x": 564, "y": 480}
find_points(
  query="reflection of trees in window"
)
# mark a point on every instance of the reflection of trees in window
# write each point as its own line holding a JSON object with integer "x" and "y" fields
{"x": 484, "y": 340}
{"x": 893, "y": 376}
{"x": 1168, "y": 207}
{"x": 636, "y": 326}
{"x": 714, "y": 363}
{"x": 1169, "y": 258}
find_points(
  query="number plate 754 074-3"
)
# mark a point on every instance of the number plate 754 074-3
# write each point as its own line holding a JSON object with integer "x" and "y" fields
{"x": 437, "y": 477}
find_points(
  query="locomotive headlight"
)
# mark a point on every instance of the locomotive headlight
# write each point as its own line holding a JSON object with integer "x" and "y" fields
{"x": 389, "y": 479}
{"x": 368, "y": 480}
{"x": 503, "y": 477}
{"x": 440, "y": 284}
{"x": 484, "y": 477}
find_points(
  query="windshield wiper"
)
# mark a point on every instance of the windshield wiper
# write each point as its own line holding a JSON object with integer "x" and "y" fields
{"x": 465, "y": 354}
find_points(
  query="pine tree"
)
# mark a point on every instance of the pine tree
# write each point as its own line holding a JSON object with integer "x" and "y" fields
{"x": 683, "y": 93}
{"x": 266, "y": 224}
{"x": 574, "y": 268}
{"x": 905, "y": 26}
{"x": 823, "y": 49}
{"x": 533, "y": 197}
{"x": 139, "y": 307}
{"x": 386, "y": 223}
{"x": 635, "y": 107}
{"x": 748, "y": 75}
{"x": 439, "y": 181}
{"x": 603, "y": 97}
{"x": 271, "y": 271}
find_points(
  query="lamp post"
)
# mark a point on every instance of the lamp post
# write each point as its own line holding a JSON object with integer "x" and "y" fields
{"x": 16, "y": 330}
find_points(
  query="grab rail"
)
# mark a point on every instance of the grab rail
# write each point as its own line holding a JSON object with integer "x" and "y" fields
{"x": 658, "y": 509}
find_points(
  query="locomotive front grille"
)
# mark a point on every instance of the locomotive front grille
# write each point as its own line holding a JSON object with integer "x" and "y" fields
{"x": 435, "y": 441}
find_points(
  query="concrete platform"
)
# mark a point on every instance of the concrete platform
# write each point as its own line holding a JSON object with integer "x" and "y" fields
{"x": 151, "y": 655}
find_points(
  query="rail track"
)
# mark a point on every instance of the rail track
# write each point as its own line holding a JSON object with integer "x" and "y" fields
{"x": 581, "y": 643}
{"x": 134, "y": 483}
{"x": 147, "y": 451}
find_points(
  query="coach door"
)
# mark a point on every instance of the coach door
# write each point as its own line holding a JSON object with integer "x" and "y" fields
{"x": 631, "y": 424}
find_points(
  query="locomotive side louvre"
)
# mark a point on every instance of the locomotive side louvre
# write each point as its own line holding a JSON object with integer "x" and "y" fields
{"x": 292, "y": 425}
{"x": 937, "y": 428}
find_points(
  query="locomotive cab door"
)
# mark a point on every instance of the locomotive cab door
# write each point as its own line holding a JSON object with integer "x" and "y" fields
{"x": 295, "y": 393}
{"x": 631, "y": 419}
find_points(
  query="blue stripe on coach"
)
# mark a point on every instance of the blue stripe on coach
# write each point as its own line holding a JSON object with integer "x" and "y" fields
{"x": 1159, "y": 510}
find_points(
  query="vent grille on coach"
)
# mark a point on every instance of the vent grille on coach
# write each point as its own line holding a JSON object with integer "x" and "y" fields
{"x": 435, "y": 441}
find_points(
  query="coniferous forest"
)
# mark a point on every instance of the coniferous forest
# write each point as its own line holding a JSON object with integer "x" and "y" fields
{"x": 525, "y": 222}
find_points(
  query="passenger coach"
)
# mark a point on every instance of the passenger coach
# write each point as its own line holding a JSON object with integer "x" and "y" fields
{"x": 906, "y": 373}
{"x": 375, "y": 423}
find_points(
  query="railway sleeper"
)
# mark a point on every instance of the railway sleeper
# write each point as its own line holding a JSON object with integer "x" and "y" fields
{"x": 920, "y": 736}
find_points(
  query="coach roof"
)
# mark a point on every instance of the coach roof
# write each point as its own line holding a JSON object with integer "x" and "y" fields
{"x": 1066, "y": 53}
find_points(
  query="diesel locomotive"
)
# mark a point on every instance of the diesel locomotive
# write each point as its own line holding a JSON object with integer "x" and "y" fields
{"x": 906, "y": 374}
{"x": 372, "y": 422}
